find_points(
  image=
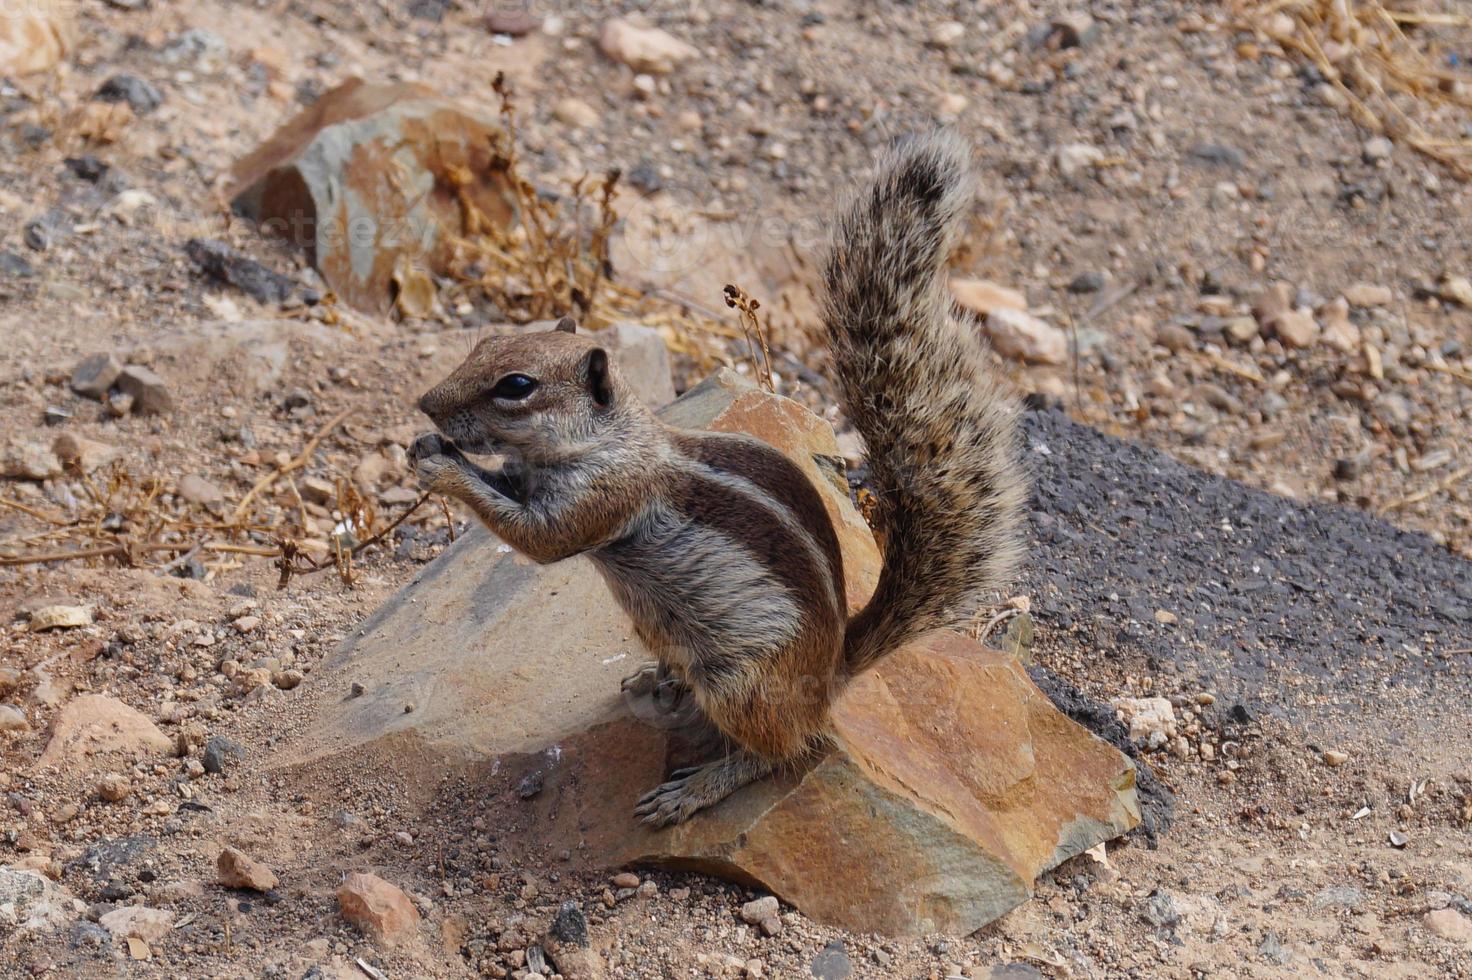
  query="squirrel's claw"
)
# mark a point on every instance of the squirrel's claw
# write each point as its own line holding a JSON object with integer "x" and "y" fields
{"x": 688, "y": 791}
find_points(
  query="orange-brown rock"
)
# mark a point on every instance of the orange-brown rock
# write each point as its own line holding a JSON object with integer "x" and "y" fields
{"x": 236, "y": 869}
{"x": 374, "y": 178}
{"x": 380, "y": 909}
{"x": 952, "y": 783}
{"x": 95, "y": 726}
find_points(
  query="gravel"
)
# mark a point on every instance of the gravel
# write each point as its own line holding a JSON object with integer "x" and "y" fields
{"x": 1261, "y": 586}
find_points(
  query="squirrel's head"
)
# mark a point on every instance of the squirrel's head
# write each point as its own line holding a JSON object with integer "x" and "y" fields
{"x": 554, "y": 394}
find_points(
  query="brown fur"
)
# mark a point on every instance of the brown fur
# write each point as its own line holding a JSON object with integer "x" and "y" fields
{"x": 717, "y": 546}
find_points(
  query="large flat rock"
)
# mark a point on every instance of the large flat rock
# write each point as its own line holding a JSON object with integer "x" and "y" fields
{"x": 952, "y": 782}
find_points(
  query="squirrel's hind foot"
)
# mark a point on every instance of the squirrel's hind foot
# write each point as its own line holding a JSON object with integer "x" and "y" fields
{"x": 694, "y": 789}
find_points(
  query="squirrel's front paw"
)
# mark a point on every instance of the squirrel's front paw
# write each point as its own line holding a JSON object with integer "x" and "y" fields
{"x": 427, "y": 445}
{"x": 434, "y": 457}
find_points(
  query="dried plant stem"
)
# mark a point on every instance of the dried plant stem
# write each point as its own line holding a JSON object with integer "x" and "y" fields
{"x": 296, "y": 463}
{"x": 37, "y": 514}
{"x": 1431, "y": 491}
{"x": 746, "y": 306}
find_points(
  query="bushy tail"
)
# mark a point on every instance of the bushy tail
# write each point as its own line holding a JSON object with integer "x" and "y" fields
{"x": 940, "y": 429}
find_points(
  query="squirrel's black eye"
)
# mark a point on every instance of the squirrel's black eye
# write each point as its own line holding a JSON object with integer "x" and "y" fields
{"x": 514, "y": 386}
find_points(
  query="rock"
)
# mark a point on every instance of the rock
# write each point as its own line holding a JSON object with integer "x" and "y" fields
{"x": 197, "y": 490}
{"x": 378, "y": 908}
{"x": 138, "y": 922}
{"x": 198, "y": 47}
{"x": 955, "y": 810}
{"x": 1335, "y": 758}
{"x": 949, "y": 105}
{"x": 150, "y": 394}
{"x": 982, "y": 297}
{"x": 1240, "y": 329}
{"x": 515, "y": 21}
{"x": 224, "y": 264}
{"x": 1076, "y": 159}
{"x": 12, "y": 719}
{"x": 566, "y": 943}
{"x": 647, "y": 50}
{"x": 220, "y": 754}
{"x": 371, "y": 160}
{"x": 1457, "y": 289}
{"x": 1024, "y": 337}
{"x": 1072, "y": 30}
{"x": 95, "y": 725}
{"x": 13, "y": 266}
{"x": 945, "y": 33}
{"x": 60, "y": 618}
{"x": 34, "y": 36}
{"x": 759, "y": 910}
{"x": 1087, "y": 282}
{"x": 1296, "y": 328}
{"x": 319, "y": 490}
{"x": 236, "y": 870}
{"x": 1369, "y": 295}
{"x": 82, "y": 453}
{"x": 31, "y": 902}
{"x": 10, "y": 679}
{"x": 1451, "y": 925}
{"x": 575, "y": 113}
{"x": 832, "y": 963}
{"x": 1339, "y": 331}
{"x": 29, "y": 461}
{"x": 643, "y": 359}
{"x": 114, "y": 788}
{"x": 1378, "y": 149}
{"x": 1146, "y": 715}
{"x": 141, "y": 96}
{"x": 94, "y": 375}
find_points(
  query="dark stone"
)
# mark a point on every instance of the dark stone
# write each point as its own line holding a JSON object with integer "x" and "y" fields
{"x": 220, "y": 754}
{"x": 1087, "y": 282}
{"x": 645, "y": 177}
{"x": 570, "y": 926}
{"x": 13, "y": 266}
{"x": 832, "y": 963}
{"x": 225, "y": 264}
{"x": 82, "y": 933}
{"x": 139, "y": 94}
{"x": 531, "y": 784}
{"x": 102, "y": 860}
{"x": 87, "y": 168}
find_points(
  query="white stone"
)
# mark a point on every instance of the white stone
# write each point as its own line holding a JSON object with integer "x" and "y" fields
{"x": 1022, "y": 336}
{"x": 647, "y": 50}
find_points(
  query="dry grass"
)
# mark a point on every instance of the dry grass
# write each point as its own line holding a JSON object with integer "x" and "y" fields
{"x": 140, "y": 522}
{"x": 1390, "y": 63}
{"x": 555, "y": 260}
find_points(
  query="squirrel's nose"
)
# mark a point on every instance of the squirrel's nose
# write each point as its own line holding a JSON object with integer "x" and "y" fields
{"x": 430, "y": 402}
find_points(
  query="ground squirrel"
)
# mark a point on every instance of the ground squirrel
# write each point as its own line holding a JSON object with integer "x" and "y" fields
{"x": 718, "y": 546}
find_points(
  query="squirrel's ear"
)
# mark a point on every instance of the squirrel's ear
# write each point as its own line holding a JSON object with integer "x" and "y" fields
{"x": 566, "y": 325}
{"x": 596, "y": 373}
